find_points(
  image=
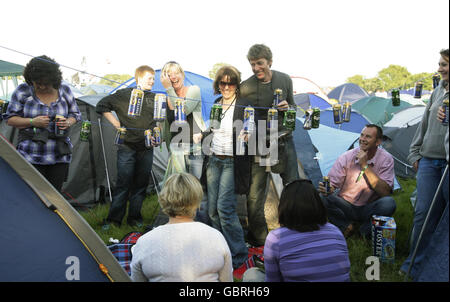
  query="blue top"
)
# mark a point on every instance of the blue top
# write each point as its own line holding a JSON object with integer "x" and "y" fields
{"x": 319, "y": 256}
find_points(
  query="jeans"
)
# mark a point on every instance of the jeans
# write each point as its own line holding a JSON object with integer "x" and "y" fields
{"x": 428, "y": 177}
{"x": 257, "y": 226}
{"x": 222, "y": 206}
{"x": 133, "y": 175}
{"x": 341, "y": 212}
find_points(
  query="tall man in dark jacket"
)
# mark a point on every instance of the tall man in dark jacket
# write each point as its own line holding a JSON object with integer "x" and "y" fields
{"x": 259, "y": 90}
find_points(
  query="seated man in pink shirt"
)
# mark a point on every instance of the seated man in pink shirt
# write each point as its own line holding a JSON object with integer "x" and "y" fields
{"x": 361, "y": 182}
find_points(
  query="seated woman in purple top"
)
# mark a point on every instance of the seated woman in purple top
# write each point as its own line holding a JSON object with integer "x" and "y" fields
{"x": 306, "y": 247}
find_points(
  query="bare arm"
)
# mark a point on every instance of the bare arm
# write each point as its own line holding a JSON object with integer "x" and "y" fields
{"x": 112, "y": 119}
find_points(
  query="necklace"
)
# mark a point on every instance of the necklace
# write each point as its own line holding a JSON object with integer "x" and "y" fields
{"x": 231, "y": 104}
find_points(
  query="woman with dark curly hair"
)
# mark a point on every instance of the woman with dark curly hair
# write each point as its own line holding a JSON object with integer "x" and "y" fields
{"x": 43, "y": 109}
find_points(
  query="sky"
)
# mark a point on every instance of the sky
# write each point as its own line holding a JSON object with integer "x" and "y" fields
{"x": 326, "y": 41}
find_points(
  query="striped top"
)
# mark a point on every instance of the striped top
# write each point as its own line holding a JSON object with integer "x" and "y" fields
{"x": 318, "y": 256}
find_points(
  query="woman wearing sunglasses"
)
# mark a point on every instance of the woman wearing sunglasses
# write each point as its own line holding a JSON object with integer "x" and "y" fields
{"x": 227, "y": 174}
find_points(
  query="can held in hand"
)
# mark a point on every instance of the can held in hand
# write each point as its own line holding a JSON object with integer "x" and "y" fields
{"x": 272, "y": 118}
{"x": 436, "y": 80}
{"x": 85, "y": 131}
{"x": 418, "y": 90}
{"x": 157, "y": 135}
{"x": 148, "y": 138}
{"x": 58, "y": 131}
{"x": 315, "y": 119}
{"x": 159, "y": 113}
{"x": 289, "y": 119}
{"x": 120, "y": 136}
{"x": 326, "y": 184}
{"x": 337, "y": 113}
{"x": 308, "y": 119}
{"x": 180, "y": 112}
{"x": 249, "y": 120}
{"x": 135, "y": 106}
{"x": 445, "y": 107}
{"x": 346, "y": 112}
{"x": 215, "y": 116}
{"x": 395, "y": 94}
{"x": 277, "y": 95}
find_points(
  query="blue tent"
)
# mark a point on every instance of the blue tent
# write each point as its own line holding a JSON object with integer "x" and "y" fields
{"x": 43, "y": 237}
{"x": 306, "y": 100}
{"x": 356, "y": 124}
{"x": 347, "y": 92}
{"x": 205, "y": 84}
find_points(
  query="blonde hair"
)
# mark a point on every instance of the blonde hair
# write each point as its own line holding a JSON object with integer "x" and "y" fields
{"x": 141, "y": 70}
{"x": 181, "y": 195}
{"x": 172, "y": 65}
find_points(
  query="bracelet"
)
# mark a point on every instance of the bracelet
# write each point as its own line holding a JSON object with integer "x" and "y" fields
{"x": 31, "y": 122}
{"x": 362, "y": 172}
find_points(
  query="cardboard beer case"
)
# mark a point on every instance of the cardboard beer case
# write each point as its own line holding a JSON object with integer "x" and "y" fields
{"x": 383, "y": 238}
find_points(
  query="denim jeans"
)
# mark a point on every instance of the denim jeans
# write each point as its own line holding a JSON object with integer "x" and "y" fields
{"x": 428, "y": 177}
{"x": 341, "y": 212}
{"x": 222, "y": 203}
{"x": 257, "y": 226}
{"x": 133, "y": 175}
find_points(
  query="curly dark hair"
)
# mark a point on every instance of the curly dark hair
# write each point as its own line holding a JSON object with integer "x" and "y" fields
{"x": 43, "y": 70}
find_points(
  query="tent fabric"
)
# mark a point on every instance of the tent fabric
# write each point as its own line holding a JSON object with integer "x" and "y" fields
{"x": 347, "y": 92}
{"x": 10, "y": 69}
{"x": 303, "y": 85}
{"x": 378, "y": 110}
{"x": 406, "y": 117}
{"x": 356, "y": 124}
{"x": 37, "y": 243}
{"x": 205, "y": 84}
{"x": 306, "y": 100}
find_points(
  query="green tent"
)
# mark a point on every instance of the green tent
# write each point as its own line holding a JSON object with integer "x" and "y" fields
{"x": 378, "y": 110}
{"x": 8, "y": 72}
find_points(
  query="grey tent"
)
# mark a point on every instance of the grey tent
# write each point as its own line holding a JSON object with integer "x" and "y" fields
{"x": 9, "y": 72}
{"x": 43, "y": 237}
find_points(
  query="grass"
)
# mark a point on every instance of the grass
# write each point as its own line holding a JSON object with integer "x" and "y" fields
{"x": 359, "y": 248}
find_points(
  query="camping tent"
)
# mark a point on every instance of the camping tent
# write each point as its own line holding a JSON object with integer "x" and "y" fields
{"x": 378, "y": 110}
{"x": 347, "y": 92}
{"x": 356, "y": 124}
{"x": 304, "y": 85}
{"x": 306, "y": 100}
{"x": 205, "y": 84}
{"x": 9, "y": 73}
{"x": 43, "y": 237}
{"x": 96, "y": 89}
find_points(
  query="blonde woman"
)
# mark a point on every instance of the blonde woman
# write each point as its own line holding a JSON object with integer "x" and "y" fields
{"x": 181, "y": 250}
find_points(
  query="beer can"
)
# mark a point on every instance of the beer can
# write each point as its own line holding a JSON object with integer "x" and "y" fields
{"x": 289, "y": 119}
{"x": 326, "y": 184}
{"x": 159, "y": 113}
{"x": 215, "y": 116}
{"x": 346, "y": 112}
{"x": 436, "y": 80}
{"x": 157, "y": 135}
{"x": 249, "y": 120}
{"x": 445, "y": 107}
{"x": 135, "y": 105}
{"x": 272, "y": 118}
{"x": 395, "y": 94}
{"x": 308, "y": 119}
{"x": 58, "y": 131}
{"x": 120, "y": 136}
{"x": 337, "y": 113}
{"x": 418, "y": 90}
{"x": 148, "y": 138}
{"x": 85, "y": 131}
{"x": 240, "y": 146}
{"x": 315, "y": 119}
{"x": 277, "y": 95}
{"x": 180, "y": 112}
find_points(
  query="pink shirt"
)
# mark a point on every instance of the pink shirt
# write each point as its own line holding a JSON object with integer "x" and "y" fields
{"x": 346, "y": 169}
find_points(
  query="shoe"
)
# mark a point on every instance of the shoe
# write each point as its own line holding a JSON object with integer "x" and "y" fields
{"x": 136, "y": 224}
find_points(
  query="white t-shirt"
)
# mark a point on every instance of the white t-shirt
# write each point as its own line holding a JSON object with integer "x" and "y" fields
{"x": 182, "y": 252}
{"x": 222, "y": 142}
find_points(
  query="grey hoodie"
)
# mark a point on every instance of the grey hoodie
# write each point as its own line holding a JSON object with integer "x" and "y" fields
{"x": 430, "y": 135}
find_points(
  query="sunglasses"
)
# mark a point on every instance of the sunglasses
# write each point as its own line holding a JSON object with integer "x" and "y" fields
{"x": 223, "y": 84}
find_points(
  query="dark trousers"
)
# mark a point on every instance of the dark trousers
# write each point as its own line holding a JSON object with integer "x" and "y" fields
{"x": 56, "y": 174}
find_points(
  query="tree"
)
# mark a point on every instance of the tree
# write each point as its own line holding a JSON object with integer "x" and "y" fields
{"x": 117, "y": 79}
{"x": 393, "y": 76}
{"x": 216, "y": 67}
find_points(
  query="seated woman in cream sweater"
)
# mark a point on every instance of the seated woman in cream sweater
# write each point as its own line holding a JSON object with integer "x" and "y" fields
{"x": 181, "y": 250}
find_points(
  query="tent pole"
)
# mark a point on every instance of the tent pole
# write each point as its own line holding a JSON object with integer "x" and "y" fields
{"x": 104, "y": 157}
{"x": 413, "y": 257}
